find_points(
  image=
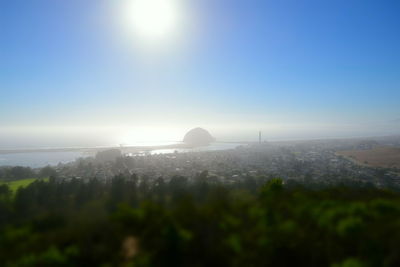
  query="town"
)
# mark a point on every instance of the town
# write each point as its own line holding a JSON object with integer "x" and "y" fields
{"x": 296, "y": 161}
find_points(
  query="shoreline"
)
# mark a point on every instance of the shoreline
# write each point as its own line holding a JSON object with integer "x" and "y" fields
{"x": 136, "y": 148}
{"x": 124, "y": 149}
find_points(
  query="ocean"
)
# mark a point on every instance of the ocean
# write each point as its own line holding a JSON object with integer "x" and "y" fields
{"x": 41, "y": 159}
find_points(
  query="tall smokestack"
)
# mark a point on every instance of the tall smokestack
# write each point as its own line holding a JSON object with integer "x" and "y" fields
{"x": 259, "y": 137}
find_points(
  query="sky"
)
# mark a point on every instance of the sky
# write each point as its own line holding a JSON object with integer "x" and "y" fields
{"x": 291, "y": 68}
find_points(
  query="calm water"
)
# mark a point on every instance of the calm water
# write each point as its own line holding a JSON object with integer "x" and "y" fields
{"x": 41, "y": 159}
{"x": 211, "y": 147}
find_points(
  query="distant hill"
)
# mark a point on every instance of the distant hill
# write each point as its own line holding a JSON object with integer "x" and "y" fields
{"x": 198, "y": 137}
{"x": 382, "y": 156}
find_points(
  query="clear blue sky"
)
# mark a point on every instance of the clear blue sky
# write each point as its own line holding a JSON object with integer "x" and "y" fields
{"x": 258, "y": 61}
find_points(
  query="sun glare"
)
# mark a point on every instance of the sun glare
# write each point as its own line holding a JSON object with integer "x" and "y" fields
{"x": 152, "y": 20}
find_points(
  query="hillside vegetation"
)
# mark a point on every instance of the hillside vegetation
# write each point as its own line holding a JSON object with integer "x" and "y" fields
{"x": 381, "y": 156}
{"x": 128, "y": 221}
{"x": 16, "y": 184}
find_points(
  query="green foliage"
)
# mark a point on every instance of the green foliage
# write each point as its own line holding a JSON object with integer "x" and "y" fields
{"x": 16, "y": 173}
{"x": 178, "y": 222}
{"x": 16, "y": 184}
{"x": 350, "y": 262}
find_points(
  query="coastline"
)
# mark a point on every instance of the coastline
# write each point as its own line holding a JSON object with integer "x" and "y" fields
{"x": 127, "y": 149}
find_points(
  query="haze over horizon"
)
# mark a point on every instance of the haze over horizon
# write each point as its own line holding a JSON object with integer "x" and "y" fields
{"x": 77, "y": 73}
{"x": 200, "y": 133}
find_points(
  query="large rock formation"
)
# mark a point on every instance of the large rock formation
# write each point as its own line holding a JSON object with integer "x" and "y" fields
{"x": 198, "y": 137}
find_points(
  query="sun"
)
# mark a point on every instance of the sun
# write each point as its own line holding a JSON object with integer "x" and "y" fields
{"x": 152, "y": 20}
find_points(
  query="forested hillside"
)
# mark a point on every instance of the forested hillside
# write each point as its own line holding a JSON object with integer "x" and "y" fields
{"x": 129, "y": 221}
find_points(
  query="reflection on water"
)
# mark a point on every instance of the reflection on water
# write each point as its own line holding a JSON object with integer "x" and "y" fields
{"x": 211, "y": 147}
{"x": 150, "y": 144}
{"x": 41, "y": 159}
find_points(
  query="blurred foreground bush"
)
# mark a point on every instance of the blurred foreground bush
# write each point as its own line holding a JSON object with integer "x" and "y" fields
{"x": 125, "y": 222}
